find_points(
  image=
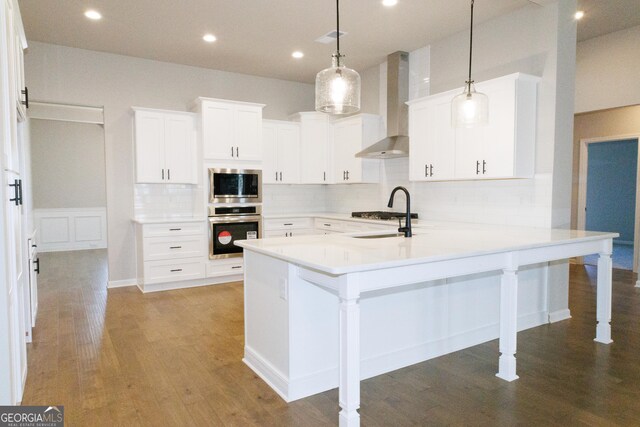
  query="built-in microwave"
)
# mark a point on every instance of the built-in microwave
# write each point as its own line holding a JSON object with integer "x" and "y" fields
{"x": 235, "y": 185}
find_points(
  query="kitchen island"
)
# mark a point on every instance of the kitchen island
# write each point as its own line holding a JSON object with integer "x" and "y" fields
{"x": 330, "y": 310}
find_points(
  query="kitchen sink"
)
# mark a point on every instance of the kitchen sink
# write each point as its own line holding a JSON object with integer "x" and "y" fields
{"x": 378, "y": 236}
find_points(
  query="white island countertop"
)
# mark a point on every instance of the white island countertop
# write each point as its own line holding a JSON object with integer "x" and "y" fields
{"x": 337, "y": 254}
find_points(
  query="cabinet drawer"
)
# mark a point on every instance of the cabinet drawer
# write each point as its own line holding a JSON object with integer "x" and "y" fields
{"x": 287, "y": 223}
{"x": 174, "y": 229}
{"x": 225, "y": 267}
{"x": 173, "y": 270}
{"x": 329, "y": 225}
{"x": 289, "y": 232}
{"x": 157, "y": 248}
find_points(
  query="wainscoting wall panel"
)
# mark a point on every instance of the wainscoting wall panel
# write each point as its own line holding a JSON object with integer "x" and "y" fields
{"x": 71, "y": 229}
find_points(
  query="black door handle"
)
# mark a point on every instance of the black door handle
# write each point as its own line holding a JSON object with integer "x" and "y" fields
{"x": 477, "y": 167}
{"x": 347, "y": 175}
{"x": 324, "y": 176}
{"x": 484, "y": 167}
{"x": 168, "y": 174}
{"x": 426, "y": 170}
{"x": 237, "y": 152}
{"x": 163, "y": 174}
{"x": 25, "y": 92}
{"x": 37, "y": 263}
{"x": 16, "y": 192}
{"x": 430, "y": 170}
{"x": 232, "y": 152}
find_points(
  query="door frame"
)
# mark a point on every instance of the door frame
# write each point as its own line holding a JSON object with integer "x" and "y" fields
{"x": 582, "y": 188}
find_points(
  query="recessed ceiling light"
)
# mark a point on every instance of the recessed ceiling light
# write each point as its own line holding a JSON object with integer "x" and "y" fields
{"x": 93, "y": 15}
{"x": 389, "y": 3}
{"x": 209, "y": 38}
{"x": 579, "y": 14}
{"x": 297, "y": 54}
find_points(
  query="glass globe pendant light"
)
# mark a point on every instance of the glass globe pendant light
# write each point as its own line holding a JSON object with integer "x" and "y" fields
{"x": 470, "y": 108}
{"x": 338, "y": 87}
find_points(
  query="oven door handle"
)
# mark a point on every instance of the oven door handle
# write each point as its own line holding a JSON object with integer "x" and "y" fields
{"x": 237, "y": 218}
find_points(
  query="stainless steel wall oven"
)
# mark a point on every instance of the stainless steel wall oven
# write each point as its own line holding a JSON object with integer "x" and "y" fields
{"x": 230, "y": 223}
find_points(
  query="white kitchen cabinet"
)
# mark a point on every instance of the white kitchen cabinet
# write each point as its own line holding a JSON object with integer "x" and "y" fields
{"x": 170, "y": 252}
{"x": 166, "y": 150}
{"x": 502, "y": 149}
{"x": 315, "y": 148}
{"x": 230, "y": 130}
{"x": 431, "y": 139}
{"x": 281, "y": 152}
{"x": 288, "y": 227}
{"x": 350, "y": 136}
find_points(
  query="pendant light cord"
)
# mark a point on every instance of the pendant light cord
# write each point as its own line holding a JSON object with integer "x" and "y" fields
{"x": 338, "y": 26}
{"x": 470, "y": 47}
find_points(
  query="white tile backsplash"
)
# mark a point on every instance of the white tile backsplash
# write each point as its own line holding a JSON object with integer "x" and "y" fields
{"x": 282, "y": 198}
{"x": 158, "y": 200}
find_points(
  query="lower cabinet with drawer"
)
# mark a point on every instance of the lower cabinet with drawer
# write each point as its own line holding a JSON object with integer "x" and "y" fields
{"x": 288, "y": 227}
{"x": 225, "y": 267}
{"x": 170, "y": 253}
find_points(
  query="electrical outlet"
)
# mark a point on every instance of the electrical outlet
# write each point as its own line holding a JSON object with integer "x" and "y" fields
{"x": 283, "y": 287}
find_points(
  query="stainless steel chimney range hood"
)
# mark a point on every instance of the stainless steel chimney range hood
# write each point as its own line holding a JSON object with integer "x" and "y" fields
{"x": 396, "y": 144}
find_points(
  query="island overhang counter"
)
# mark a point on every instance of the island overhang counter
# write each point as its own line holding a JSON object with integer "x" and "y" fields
{"x": 329, "y": 310}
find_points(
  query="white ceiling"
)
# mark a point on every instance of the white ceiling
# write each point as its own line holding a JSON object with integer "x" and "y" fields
{"x": 257, "y": 36}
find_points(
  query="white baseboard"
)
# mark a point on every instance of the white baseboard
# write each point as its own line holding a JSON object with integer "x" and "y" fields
{"x": 274, "y": 378}
{"x": 557, "y": 316}
{"x": 121, "y": 283}
{"x": 169, "y": 286}
{"x": 318, "y": 382}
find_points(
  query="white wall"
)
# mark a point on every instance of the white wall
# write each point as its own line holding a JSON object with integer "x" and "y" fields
{"x": 607, "y": 71}
{"x": 75, "y": 76}
{"x": 67, "y": 161}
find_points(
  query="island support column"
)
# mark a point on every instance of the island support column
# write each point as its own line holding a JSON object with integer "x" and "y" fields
{"x": 508, "y": 321}
{"x": 349, "y": 392}
{"x": 603, "y": 299}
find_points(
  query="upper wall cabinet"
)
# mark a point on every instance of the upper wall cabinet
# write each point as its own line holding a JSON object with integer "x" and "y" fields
{"x": 504, "y": 148}
{"x": 350, "y": 136}
{"x": 281, "y": 152}
{"x": 315, "y": 148}
{"x": 166, "y": 147}
{"x": 231, "y": 130}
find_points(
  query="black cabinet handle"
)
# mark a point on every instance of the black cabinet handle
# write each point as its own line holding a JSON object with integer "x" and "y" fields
{"x": 344, "y": 175}
{"x": 426, "y": 170}
{"x": 237, "y": 152}
{"x": 37, "y": 263}
{"x": 288, "y": 223}
{"x": 175, "y": 247}
{"x": 20, "y": 191}
{"x": 347, "y": 175}
{"x": 276, "y": 176}
{"x": 176, "y": 269}
{"x": 236, "y": 266}
{"x": 280, "y": 176}
{"x": 25, "y": 92}
{"x": 168, "y": 174}
{"x": 324, "y": 176}
{"x": 477, "y": 167}
{"x": 327, "y": 225}
{"x": 232, "y": 152}
{"x": 175, "y": 229}
{"x": 34, "y": 246}
{"x": 430, "y": 170}
{"x": 163, "y": 174}
{"x": 484, "y": 167}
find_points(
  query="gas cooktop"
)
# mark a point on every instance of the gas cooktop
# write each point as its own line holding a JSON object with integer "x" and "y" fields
{"x": 381, "y": 215}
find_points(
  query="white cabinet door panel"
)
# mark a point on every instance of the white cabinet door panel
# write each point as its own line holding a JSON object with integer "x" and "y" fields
{"x": 180, "y": 150}
{"x": 269, "y": 153}
{"x": 289, "y": 153}
{"x": 218, "y": 130}
{"x": 149, "y": 137}
{"x": 248, "y": 133}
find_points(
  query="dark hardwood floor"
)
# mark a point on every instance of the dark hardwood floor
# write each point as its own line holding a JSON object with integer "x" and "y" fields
{"x": 174, "y": 358}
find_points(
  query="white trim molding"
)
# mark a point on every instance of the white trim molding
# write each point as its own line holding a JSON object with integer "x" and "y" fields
{"x": 71, "y": 229}
{"x": 559, "y": 315}
{"x": 111, "y": 284}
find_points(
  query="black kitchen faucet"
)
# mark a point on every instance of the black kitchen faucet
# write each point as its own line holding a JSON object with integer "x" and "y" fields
{"x": 407, "y": 225}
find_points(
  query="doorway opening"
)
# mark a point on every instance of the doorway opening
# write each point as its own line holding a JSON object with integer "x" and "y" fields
{"x": 608, "y": 195}
{"x": 68, "y": 173}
